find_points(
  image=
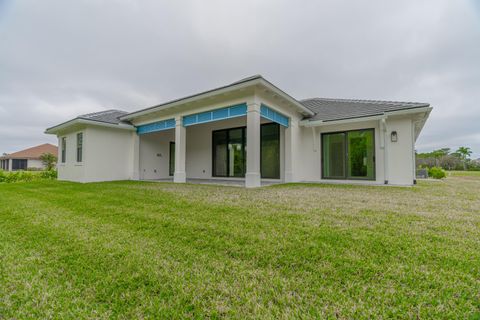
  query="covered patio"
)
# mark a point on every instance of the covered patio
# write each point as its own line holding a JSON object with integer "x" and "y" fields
{"x": 241, "y": 144}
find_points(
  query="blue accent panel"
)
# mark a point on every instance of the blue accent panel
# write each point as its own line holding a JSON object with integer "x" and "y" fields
{"x": 204, "y": 117}
{"x": 239, "y": 110}
{"x": 156, "y": 126}
{"x": 214, "y": 115}
{"x": 273, "y": 115}
{"x": 220, "y": 114}
{"x": 188, "y": 120}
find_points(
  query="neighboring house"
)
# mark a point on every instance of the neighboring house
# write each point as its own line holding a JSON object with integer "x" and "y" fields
{"x": 27, "y": 159}
{"x": 249, "y": 130}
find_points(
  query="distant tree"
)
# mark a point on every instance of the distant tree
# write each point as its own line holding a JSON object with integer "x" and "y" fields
{"x": 48, "y": 160}
{"x": 437, "y": 154}
{"x": 464, "y": 153}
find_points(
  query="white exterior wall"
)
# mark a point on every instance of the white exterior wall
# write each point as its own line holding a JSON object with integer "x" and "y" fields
{"x": 155, "y": 153}
{"x": 107, "y": 155}
{"x": 112, "y": 153}
{"x": 35, "y": 163}
{"x": 400, "y": 162}
{"x": 70, "y": 170}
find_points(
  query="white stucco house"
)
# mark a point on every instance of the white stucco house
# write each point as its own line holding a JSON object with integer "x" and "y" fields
{"x": 249, "y": 131}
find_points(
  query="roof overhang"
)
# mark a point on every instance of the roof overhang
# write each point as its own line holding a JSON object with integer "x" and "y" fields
{"x": 255, "y": 82}
{"x": 318, "y": 123}
{"x": 79, "y": 121}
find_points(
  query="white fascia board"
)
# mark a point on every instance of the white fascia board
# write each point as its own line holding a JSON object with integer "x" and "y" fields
{"x": 308, "y": 123}
{"x": 215, "y": 92}
{"x": 65, "y": 125}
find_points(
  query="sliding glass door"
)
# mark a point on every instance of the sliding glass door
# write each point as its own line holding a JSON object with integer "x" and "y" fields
{"x": 349, "y": 155}
{"x": 229, "y": 152}
{"x": 229, "y": 148}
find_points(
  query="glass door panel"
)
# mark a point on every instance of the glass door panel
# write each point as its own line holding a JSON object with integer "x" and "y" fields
{"x": 361, "y": 151}
{"x": 220, "y": 154}
{"x": 333, "y": 155}
{"x": 236, "y": 153}
{"x": 270, "y": 151}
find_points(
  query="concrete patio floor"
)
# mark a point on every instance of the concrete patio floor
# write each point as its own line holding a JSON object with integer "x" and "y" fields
{"x": 220, "y": 182}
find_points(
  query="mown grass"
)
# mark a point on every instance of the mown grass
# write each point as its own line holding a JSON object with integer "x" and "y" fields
{"x": 161, "y": 250}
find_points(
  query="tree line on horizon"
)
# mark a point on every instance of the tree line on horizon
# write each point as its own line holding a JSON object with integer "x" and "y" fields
{"x": 447, "y": 159}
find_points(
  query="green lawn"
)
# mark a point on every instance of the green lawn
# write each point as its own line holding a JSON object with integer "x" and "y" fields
{"x": 145, "y": 250}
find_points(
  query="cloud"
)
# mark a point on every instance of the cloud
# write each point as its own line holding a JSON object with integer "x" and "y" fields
{"x": 60, "y": 59}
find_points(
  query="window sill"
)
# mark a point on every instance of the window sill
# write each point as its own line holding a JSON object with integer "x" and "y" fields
{"x": 78, "y": 164}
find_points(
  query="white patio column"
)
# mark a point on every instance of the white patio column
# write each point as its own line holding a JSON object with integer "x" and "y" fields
{"x": 180, "y": 176}
{"x": 136, "y": 156}
{"x": 289, "y": 146}
{"x": 252, "y": 177}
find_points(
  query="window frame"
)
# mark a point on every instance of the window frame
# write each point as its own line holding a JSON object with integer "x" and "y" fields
{"x": 63, "y": 141}
{"x": 79, "y": 150}
{"x": 245, "y": 151}
{"x": 171, "y": 169}
{"x": 345, "y": 160}
{"x": 244, "y": 144}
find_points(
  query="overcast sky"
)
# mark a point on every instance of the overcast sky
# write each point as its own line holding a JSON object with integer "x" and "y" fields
{"x": 59, "y": 59}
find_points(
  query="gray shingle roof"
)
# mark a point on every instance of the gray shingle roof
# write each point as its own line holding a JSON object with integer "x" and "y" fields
{"x": 107, "y": 116}
{"x": 341, "y": 109}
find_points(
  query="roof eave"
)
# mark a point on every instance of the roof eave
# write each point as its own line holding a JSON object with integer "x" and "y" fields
{"x": 65, "y": 125}
{"x": 316, "y": 123}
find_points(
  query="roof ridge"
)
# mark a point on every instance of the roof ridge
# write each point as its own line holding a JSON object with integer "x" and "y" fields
{"x": 362, "y": 100}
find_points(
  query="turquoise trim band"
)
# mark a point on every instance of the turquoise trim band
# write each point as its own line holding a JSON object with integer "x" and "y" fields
{"x": 156, "y": 126}
{"x": 215, "y": 115}
{"x": 273, "y": 115}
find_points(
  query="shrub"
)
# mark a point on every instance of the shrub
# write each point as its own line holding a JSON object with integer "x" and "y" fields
{"x": 49, "y": 175}
{"x": 437, "y": 173}
{"x": 26, "y": 176}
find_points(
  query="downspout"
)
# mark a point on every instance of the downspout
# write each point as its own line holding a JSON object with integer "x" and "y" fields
{"x": 383, "y": 125}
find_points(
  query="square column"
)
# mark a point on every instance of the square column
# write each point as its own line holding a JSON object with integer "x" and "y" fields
{"x": 252, "y": 177}
{"x": 180, "y": 176}
{"x": 292, "y": 134}
{"x": 136, "y": 156}
{"x": 289, "y": 145}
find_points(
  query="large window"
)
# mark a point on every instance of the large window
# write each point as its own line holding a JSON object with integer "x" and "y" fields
{"x": 19, "y": 164}
{"x": 229, "y": 148}
{"x": 79, "y": 147}
{"x": 348, "y": 155}
{"x": 64, "y": 149}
